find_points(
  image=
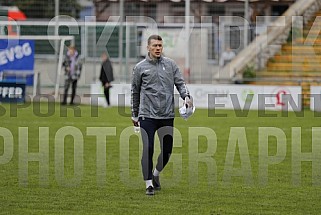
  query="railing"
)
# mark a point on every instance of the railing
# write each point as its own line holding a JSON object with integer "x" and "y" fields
{"x": 258, "y": 81}
{"x": 276, "y": 35}
{"x": 91, "y": 38}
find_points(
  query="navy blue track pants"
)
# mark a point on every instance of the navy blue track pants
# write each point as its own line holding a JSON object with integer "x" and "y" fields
{"x": 164, "y": 129}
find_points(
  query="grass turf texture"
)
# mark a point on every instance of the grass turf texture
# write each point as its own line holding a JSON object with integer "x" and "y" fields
{"x": 120, "y": 195}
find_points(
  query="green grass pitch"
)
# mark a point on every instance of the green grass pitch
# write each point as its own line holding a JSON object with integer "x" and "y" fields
{"x": 222, "y": 163}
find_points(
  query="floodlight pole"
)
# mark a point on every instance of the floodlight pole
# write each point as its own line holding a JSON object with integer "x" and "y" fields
{"x": 120, "y": 39}
{"x": 187, "y": 34}
{"x": 246, "y": 21}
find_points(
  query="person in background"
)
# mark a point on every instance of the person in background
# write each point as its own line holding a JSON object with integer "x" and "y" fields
{"x": 106, "y": 75}
{"x": 73, "y": 66}
{"x": 227, "y": 56}
{"x": 152, "y": 106}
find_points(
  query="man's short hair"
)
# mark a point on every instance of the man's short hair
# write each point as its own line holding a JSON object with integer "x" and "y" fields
{"x": 154, "y": 37}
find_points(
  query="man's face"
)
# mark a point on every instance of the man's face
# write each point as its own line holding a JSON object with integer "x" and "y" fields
{"x": 103, "y": 57}
{"x": 155, "y": 48}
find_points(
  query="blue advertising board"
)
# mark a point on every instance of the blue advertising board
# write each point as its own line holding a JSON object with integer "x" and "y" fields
{"x": 12, "y": 91}
{"x": 16, "y": 55}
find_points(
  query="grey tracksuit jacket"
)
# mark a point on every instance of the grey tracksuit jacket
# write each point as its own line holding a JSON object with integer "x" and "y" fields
{"x": 152, "y": 89}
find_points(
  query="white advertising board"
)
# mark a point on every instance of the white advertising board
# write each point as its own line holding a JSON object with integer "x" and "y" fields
{"x": 247, "y": 97}
{"x": 222, "y": 96}
{"x": 173, "y": 40}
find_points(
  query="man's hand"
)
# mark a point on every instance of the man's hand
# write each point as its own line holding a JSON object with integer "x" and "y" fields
{"x": 107, "y": 85}
{"x": 189, "y": 102}
{"x": 135, "y": 121}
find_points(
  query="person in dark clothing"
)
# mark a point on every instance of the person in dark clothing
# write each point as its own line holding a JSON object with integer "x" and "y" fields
{"x": 106, "y": 75}
{"x": 73, "y": 66}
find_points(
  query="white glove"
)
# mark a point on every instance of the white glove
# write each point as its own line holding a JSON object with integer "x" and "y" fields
{"x": 189, "y": 102}
{"x": 135, "y": 119}
{"x": 188, "y": 108}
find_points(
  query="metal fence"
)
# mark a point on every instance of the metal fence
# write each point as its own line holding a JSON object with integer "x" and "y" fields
{"x": 207, "y": 41}
{"x": 100, "y": 35}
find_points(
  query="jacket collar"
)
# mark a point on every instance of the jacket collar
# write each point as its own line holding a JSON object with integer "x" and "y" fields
{"x": 154, "y": 61}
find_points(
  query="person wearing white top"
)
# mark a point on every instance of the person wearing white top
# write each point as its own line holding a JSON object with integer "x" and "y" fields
{"x": 226, "y": 57}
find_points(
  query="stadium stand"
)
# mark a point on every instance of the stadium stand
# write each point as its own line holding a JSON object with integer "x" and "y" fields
{"x": 299, "y": 61}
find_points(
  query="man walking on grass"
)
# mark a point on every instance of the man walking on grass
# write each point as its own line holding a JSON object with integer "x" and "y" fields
{"x": 152, "y": 106}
